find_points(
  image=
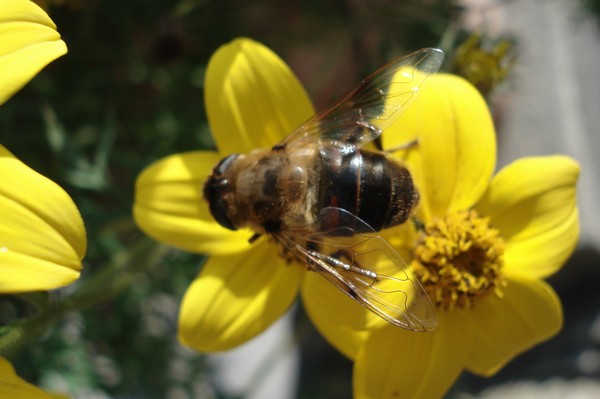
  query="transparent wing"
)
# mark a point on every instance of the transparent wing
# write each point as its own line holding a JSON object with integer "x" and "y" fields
{"x": 366, "y": 268}
{"x": 373, "y": 105}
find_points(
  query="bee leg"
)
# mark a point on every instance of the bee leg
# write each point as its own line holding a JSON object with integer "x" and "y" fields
{"x": 341, "y": 254}
{"x": 378, "y": 144}
{"x": 254, "y": 237}
{"x": 311, "y": 264}
{"x": 354, "y": 266}
{"x": 365, "y": 133}
{"x": 402, "y": 147}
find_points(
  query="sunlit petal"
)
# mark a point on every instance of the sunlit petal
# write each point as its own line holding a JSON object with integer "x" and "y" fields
{"x": 28, "y": 42}
{"x": 252, "y": 98}
{"x": 42, "y": 237}
{"x": 533, "y": 203}
{"x": 236, "y": 297}
{"x": 529, "y": 313}
{"x": 403, "y": 239}
{"x": 169, "y": 206}
{"x": 396, "y": 363}
{"x": 455, "y": 152}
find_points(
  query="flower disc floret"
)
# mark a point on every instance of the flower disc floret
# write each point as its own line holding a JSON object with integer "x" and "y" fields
{"x": 459, "y": 258}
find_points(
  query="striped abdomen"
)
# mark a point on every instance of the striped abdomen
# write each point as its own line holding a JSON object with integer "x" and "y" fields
{"x": 367, "y": 184}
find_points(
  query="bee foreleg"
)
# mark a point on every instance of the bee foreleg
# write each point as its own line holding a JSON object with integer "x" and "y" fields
{"x": 351, "y": 265}
{"x": 378, "y": 144}
{"x": 341, "y": 254}
{"x": 254, "y": 237}
{"x": 366, "y": 133}
{"x": 403, "y": 147}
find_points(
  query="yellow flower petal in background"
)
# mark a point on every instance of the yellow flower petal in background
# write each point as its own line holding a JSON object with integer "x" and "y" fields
{"x": 527, "y": 314}
{"x": 252, "y": 98}
{"x": 455, "y": 153}
{"x": 169, "y": 206}
{"x": 14, "y": 387}
{"x": 28, "y": 42}
{"x": 396, "y": 363}
{"x": 42, "y": 237}
{"x": 533, "y": 203}
{"x": 236, "y": 297}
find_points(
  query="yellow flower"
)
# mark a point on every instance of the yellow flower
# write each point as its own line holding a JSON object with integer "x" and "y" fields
{"x": 14, "y": 387}
{"x": 42, "y": 237}
{"x": 481, "y": 247}
{"x": 28, "y": 42}
{"x": 253, "y": 100}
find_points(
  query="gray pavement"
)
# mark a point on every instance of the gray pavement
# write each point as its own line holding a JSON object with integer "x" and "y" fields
{"x": 554, "y": 94}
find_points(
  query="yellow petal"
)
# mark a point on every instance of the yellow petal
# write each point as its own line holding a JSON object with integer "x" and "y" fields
{"x": 14, "y": 387}
{"x": 533, "y": 203}
{"x": 395, "y": 363}
{"x": 236, "y": 297}
{"x": 341, "y": 320}
{"x": 28, "y": 42}
{"x": 252, "y": 97}
{"x": 455, "y": 154}
{"x": 169, "y": 206}
{"x": 529, "y": 313}
{"x": 42, "y": 237}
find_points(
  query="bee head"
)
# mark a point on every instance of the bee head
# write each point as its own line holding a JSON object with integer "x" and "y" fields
{"x": 215, "y": 189}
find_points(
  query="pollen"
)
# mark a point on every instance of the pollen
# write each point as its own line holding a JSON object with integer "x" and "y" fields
{"x": 458, "y": 259}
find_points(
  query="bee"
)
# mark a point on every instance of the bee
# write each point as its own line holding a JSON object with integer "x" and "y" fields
{"x": 326, "y": 191}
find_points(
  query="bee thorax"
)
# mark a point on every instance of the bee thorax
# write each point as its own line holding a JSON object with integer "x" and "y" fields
{"x": 269, "y": 191}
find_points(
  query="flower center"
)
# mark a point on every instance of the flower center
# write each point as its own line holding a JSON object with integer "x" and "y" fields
{"x": 458, "y": 259}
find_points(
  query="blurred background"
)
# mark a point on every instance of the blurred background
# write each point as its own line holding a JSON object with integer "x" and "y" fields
{"x": 130, "y": 91}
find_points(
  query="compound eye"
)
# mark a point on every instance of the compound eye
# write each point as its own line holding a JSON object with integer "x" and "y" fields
{"x": 215, "y": 189}
{"x": 225, "y": 163}
{"x": 218, "y": 208}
